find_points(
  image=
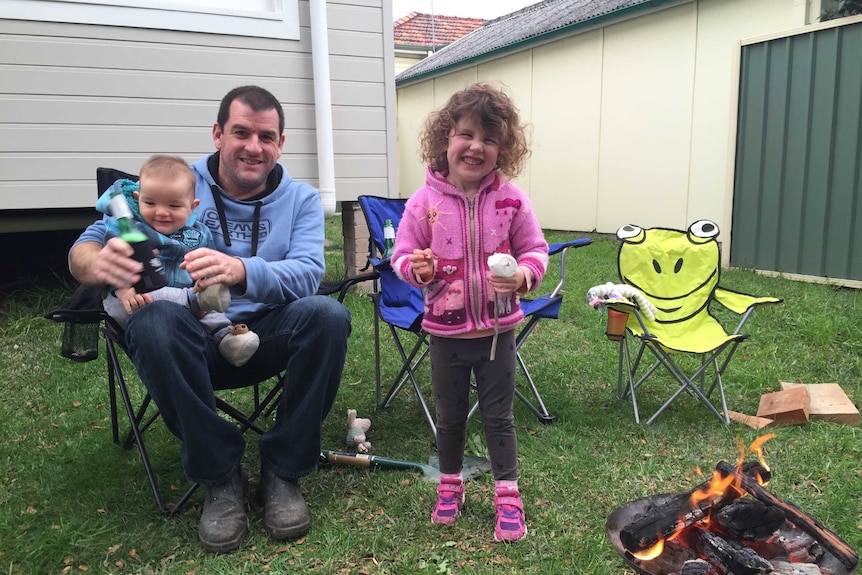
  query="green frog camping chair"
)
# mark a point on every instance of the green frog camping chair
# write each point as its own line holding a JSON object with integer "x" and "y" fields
{"x": 674, "y": 275}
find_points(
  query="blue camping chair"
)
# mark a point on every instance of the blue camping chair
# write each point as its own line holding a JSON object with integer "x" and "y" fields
{"x": 401, "y": 307}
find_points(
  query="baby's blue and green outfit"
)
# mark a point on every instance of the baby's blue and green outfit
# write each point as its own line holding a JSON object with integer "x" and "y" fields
{"x": 172, "y": 250}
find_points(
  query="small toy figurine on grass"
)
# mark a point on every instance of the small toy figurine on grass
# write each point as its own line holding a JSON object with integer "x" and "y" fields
{"x": 357, "y": 427}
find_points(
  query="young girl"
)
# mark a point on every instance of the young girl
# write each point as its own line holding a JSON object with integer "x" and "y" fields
{"x": 466, "y": 211}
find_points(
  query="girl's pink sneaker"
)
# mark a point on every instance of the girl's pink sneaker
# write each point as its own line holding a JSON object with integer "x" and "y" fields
{"x": 510, "y": 525}
{"x": 450, "y": 498}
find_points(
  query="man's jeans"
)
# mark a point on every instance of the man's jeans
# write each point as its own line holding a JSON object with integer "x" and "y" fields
{"x": 174, "y": 355}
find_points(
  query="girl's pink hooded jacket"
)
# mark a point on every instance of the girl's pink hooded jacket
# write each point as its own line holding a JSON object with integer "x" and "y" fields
{"x": 462, "y": 235}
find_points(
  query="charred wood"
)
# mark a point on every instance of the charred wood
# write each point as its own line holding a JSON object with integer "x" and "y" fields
{"x": 802, "y": 548}
{"x": 786, "y": 568}
{"x": 696, "y": 567}
{"x": 749, "y": 519}
{"x": 831, "y": 542}
{"x": 657, "y": 523}
{"x": 730, "y": 556}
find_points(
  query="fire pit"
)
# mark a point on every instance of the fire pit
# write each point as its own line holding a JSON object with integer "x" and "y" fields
{"x": 728, "y": 525}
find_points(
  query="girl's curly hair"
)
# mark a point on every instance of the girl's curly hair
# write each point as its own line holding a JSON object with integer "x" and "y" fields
{"x": 498, "y": 116}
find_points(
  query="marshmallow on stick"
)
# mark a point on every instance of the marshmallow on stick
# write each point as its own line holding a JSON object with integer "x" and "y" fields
{"x": 502, "y": 265}
{"x": 505, "y": 266}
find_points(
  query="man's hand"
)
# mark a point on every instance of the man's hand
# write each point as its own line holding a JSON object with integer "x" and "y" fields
{"x": 95, "y": 265}
{"x": 422, "y": 263}
{"x": 131, "y": 299}
{"x": 208, "y": 267}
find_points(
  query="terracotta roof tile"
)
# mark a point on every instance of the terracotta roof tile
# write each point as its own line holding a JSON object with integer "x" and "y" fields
{"x": 417, "y": 29}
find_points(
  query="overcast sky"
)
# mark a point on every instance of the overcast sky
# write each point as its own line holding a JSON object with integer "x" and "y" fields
{"x": 486, "y": 9}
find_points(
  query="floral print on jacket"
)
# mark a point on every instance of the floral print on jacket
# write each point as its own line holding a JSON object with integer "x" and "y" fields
{"x": 462, "y": 234}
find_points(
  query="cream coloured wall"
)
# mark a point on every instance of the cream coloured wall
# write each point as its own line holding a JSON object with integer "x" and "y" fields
{"x": 404, "y": 61}
{"x": 418, "y": 101}
{"x": 517, "y": 72}
{"x": 631, "y": 123}
{"x": 564, "y": 166}
{"x": 648, "y": 72}
{"x": 412, "y": 110}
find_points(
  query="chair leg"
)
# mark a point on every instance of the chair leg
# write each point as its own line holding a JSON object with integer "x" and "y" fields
{"x": 116, "y": 376}
{"x": 376, "y": 351}
{"x": 539, "y": 409}
{"x": 688, "y": 383}
{"x": 407, "y": 372}
{"x": 138, "y": 424}
{"x": 625, "y": 359}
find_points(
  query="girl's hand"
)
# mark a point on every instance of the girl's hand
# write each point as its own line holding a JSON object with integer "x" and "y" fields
{"x": 422, "y": 263}
{"x": 508, "y": 285}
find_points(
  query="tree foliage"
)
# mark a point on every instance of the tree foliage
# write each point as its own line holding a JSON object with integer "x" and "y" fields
{"x": 840, "y": 9}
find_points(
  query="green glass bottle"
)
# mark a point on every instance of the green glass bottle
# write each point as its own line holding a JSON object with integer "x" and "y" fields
{"x": 152, "y": 276}
{"x": 388, "y": 238}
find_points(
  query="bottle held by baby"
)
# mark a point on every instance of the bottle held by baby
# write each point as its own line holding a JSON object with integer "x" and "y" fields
{"x": 152, "y": 276}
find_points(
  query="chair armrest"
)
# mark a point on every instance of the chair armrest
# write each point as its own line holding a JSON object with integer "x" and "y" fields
{"x": 561, "y": 248}
{"x": 739, "y": 302}
{"x": 557, "y": 247}
{"x": 341, "y": 287}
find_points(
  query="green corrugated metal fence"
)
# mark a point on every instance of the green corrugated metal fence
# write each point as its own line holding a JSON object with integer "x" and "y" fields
{"x": 797, "y": 204}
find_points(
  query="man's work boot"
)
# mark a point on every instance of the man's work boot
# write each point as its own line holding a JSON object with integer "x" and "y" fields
{"x": 285, "y": 515}
{"x": 223, "y": 523}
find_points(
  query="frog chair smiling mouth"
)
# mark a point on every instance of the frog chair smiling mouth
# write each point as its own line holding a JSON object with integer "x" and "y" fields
{"x": 677, "y": 272}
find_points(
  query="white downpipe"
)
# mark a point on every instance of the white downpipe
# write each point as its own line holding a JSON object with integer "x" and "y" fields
{"x": 323, "y": 106}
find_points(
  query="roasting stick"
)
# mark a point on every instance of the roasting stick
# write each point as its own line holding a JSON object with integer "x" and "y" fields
{"x": 505, "y": 266}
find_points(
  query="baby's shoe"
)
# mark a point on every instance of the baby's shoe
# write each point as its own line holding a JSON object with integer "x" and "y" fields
{"x": 238, "y": 345}
{"x": 215, "y": 297}
{"x": 510, "y": 525}
{"x": 450, "y": 498}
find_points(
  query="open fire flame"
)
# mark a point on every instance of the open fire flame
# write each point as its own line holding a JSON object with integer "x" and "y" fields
{"x": 716, "y": 488}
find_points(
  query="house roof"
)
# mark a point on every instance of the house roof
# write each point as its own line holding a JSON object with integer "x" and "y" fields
{"x": 531, "y": 25}
{"x": 432, "y": 30}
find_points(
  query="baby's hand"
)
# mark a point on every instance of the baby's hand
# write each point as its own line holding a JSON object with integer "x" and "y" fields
{"x": 131, "y": 299}
{"x": 422, "y": 263}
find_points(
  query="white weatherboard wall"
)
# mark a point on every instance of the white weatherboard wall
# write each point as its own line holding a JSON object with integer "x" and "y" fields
{"x": 74, "y": 97}
{"x": 632, "y": 122}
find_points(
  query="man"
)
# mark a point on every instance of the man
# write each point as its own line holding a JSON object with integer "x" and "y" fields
{"x": 268, "y": 231}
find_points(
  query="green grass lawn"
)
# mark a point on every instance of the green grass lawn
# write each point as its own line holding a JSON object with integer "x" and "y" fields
{"x": 73, "y": 502}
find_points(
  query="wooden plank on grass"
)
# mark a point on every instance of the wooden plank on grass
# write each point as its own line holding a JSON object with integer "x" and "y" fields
{"x": 828, "y": 402}
{"x": 751, "y": 421}
{"x": 786, "y": 407}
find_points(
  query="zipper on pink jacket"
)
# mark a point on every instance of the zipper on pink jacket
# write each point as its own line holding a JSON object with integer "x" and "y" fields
{"x": 477, "y": 308}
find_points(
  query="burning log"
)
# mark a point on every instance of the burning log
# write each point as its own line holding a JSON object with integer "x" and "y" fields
{"x": 831, "y": 542}
{"x": 682, "y": 510}
{"x": 730, "y": 556}
{"x": 749, "y": 519}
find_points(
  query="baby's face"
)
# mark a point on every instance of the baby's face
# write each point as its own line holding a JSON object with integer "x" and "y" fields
{"x": 166, "y": 203}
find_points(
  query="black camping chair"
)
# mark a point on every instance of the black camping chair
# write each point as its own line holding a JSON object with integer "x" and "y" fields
{"x": 84, "y": 319}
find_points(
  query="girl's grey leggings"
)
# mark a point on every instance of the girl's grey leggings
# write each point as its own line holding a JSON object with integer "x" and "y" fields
{"x": 452, "y": 361}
